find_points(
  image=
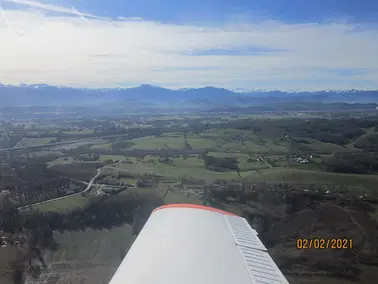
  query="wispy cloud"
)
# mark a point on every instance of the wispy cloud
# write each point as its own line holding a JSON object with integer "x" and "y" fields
{"x": 170, "y": 69}
{"x": 52, "y": 8}
{"x": 352, "y": 72}
{"x": 7, "y": 23}
{"x": 66, "y": 50}
{"x": 247, "y": 51}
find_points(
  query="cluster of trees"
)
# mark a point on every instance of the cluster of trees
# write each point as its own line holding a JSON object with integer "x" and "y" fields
{"x": 338, "y": 131}
{"x": 220, "y": 164}
{"x": 106, "y": 213}
{"x": 77, "y": 151}
{"x": 86, "y": 157}
{"x": 368, "y": 143}
{"x": 76, "y": 170}
{"x": 331, "y": 131}
{"x": 356, "y": 163}
{"x": 148, "y": 180}
{"x": 123, "y": 144}
{"x": 48, "y": 190}
{"x": 25, "y": 175}
{"x": 187, "y": 145}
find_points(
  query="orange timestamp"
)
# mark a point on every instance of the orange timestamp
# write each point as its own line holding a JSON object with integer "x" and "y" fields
{"x": 324, "y": 243}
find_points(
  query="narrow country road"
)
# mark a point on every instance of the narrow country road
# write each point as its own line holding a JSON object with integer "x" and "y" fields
{"x": 265, "y": 162}
{"x": 92, "y": 180}
{"x": 66, "y": 196}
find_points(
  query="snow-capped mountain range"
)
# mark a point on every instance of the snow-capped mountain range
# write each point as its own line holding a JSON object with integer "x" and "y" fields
{"x": 44, "y": 94}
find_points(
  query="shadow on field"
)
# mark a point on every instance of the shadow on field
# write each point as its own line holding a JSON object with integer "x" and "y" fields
{"x": 35, "y": 230}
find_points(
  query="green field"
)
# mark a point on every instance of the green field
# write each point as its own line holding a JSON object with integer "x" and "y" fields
{"x": 243, "y": 147}
{"x": 153, "y": 142}
{"x": 209, "y": 133}
{"x": 102, "y": 146}
{"x": 244, "y": 165}
{"x": 228, "y": 155}
{"x": 202, "y": 143}
{"x": 320, "y": 147}
{"x": 61, "y": 205}
{"x": 190, "y": 167}
{"x": 245, "y": 161}
{"x": 173, "y": 134}
{"x": 305, "y": 176}
{"x": 112, "y": 157}
{"x": 225, "y": 140}
{"x": 69, "y": 161}
{"x": 82, "y": 132}
{"x": 129, "y": 180}
{"x": 61, "y": 161}
{"x": 32, "y": 142}
{"x": 368, "y": 132}
{"x": 179, "y": 197}
{"x": 142, "y": 190}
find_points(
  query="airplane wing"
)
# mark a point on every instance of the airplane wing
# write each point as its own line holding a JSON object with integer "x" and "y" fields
{"x": 194, "y": 244}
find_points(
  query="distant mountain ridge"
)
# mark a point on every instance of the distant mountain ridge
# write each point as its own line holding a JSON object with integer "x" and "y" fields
{"x": 149, "y": 95}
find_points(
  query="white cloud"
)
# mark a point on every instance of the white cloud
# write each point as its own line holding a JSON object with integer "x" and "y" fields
{"x": 52, "y": 8}
{"x": 93, "y": 52}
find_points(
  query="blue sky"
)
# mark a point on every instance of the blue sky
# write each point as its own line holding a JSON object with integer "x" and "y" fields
{"x": 276, "y": 44}
{"x": 290, "y": 11}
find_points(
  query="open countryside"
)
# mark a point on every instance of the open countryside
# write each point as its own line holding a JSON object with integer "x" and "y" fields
{"x": 277, "y": 173}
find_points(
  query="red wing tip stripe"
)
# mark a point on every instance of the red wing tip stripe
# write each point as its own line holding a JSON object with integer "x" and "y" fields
{"x": 194, "y": 206}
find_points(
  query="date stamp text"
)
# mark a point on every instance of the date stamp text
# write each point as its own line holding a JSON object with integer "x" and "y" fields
{"x": 324, "y": 243}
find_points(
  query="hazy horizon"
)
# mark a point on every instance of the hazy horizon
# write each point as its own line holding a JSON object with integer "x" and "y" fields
{"x": 189, "y": 44}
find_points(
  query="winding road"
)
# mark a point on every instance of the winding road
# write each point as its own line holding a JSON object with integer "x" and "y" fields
{"x": 66, "y": 196}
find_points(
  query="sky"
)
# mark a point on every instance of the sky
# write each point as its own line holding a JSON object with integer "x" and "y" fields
{"x": 248, "y": 44}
